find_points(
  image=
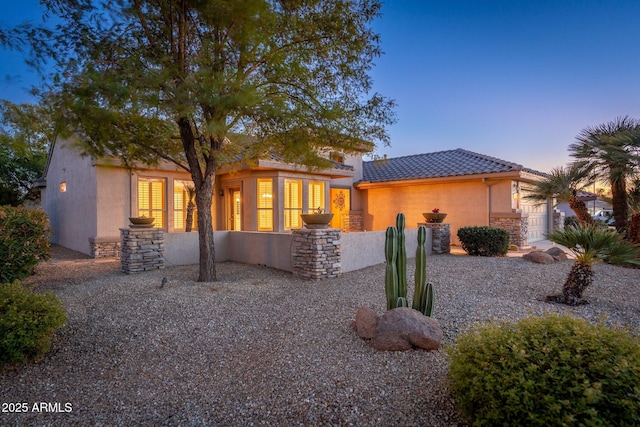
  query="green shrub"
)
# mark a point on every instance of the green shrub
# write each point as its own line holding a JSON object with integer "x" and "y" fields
{"x": 28, "y": 322}
{"x": 24, "y": 241}
{"x": 542, "y": 371}
{"x": 484, "y": 241}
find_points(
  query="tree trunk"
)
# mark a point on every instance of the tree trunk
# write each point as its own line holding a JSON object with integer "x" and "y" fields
{"x": 581, "y": 211}
{"x": 203, "y": 183}
{"x": 633, "y": 232}
{"x": 191, "y": 207}
{"x": 620, "y": 205}
{"x": 204, "y": 197}
{"x": 580, "y": 277}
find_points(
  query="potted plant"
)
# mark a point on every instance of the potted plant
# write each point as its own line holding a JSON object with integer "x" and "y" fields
{"x": 317, "y": 219}
{"x": 435, "y": 216}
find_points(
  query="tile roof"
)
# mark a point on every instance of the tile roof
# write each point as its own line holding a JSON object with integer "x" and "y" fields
{"x": 440, "y": 164}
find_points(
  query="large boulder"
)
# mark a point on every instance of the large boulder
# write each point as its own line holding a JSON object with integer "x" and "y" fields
{"x": 539, "y": 257}
{"x": 366, "y": 322}
{"x": 401, "y": 329}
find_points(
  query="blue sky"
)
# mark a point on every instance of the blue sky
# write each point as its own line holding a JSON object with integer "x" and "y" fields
{"x": 512, "y": 79}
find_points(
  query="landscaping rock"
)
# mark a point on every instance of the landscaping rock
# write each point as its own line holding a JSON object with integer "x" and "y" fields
{"x": 557, "y": 253}
{"x": 366, "y": 322}
{"x": 403, "y": 328}
{"x": 539, "y": 257}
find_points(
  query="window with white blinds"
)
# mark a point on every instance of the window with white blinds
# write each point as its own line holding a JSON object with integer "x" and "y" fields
{"x": 265, "y": 204}
{"x": 316, "y": 195}
{"x": 181, "y": 206}
{"x": 292, "y": 204}
{"x": 151, "y": 200}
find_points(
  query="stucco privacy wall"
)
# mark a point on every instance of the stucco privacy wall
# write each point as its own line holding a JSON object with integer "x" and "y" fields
{"x": 358, "y": 250}
{"x": 113, "y": 199}
{"x": 465, "y": 203}
{"x": 73, "y": 212}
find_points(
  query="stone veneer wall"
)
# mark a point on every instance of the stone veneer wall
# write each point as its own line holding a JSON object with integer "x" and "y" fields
{"x": 142, "y": 249}
{"x": 515, "y": 223}
{"x": 315, "y": 253}
{"x": 440, "y": 237}
{"x": 558, "y": 220}
{"x": 352, "y": 222}
{"x": 104, "y": 247}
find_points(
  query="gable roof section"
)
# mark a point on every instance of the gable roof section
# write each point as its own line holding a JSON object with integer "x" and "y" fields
{"x": 441, "y": 164}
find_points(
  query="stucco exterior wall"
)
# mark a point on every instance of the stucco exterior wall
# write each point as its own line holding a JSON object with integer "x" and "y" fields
{"x": 72, "y": 213}
{"x": 465, "y": 203}
{"x": 113, "y": 200}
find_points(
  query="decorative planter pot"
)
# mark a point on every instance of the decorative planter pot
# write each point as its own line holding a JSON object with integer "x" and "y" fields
{"x": 141, "y": 222}
{"x": 434, "y": 217}
{"x": 317, "y": 220}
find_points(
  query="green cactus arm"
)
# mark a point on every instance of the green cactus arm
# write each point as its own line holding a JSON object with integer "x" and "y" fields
{"x": 391, "y": 273}
{"x": 421, "y": 269}
{"x": 401, "y": 259}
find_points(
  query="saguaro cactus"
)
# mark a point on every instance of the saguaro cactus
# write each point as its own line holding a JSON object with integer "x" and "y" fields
{"x": 401, "y": 259}
{"x": 391, "y": 273}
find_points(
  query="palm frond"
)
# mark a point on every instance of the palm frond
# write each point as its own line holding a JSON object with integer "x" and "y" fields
{"x": 591, "y": 242}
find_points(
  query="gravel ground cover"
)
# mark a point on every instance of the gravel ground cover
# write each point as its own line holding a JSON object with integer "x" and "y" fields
{"x": 261, "y": 347}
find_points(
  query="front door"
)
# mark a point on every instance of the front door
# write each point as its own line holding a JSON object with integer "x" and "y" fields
{"x": 235, "y": 211}
{"x": 340, "y": 205}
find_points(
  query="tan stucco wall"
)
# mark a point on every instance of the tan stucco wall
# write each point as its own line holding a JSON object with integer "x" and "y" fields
{"x": 72, "y": 213}
{"x": 113, "y": 199}
{"x": 465, "y": 203}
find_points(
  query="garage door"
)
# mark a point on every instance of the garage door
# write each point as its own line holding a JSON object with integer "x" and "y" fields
{"x": 538, "y": 220}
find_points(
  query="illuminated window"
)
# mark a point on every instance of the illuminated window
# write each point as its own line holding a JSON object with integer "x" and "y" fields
{"x": 316, "y": 195}
{"x": 63, "y": 187}
{"x": 151, "y": 200}
{"x": 181, "y": 209}
{"x": 265, "y": 204}
{"x": 292, "y": 204}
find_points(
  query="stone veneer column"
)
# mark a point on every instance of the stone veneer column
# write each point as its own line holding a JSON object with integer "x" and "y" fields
{"x": 315, "y": 253}
{"x": 141, "y": 249}
{"x": 515, "y": 223}
{"x": 440, "y": 237}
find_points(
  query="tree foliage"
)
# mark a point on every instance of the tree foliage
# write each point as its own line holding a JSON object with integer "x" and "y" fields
{"x": 611, "y": 152}
{"x": 199, "y": 83}
{"x": 564, "y": 185}
{"x": 25, "y": 133}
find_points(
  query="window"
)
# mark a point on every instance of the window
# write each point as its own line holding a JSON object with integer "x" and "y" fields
{"x": 151, "y": 200}
{"x": 181, "y": 208}
{"x": 265, "y": 204}
{"x": 292, "y": 204}
{"x": 316, "y": 195}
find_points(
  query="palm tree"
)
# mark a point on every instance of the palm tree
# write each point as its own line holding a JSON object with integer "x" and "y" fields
{"x": 191, "y": 207}
{"x": 610, "y": 151}
{"x": 563, "y": 184}
{"x": 589, "y": 244}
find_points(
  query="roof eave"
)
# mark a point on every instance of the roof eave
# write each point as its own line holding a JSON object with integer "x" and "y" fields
{"x": 441, "y": 180}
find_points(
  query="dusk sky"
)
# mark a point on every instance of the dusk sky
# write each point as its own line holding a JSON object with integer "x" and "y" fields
{"x": 517, "y": 80}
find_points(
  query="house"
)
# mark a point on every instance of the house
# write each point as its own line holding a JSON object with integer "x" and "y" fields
{"x": 89, "y": 199}
{"x": 472, "y": 188}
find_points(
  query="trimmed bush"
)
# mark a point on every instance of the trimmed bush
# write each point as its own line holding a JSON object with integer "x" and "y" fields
{"x": 484, "y": 241}
{"x": 28, "y": 322}
{"x": 542, "y": 371}
{"x": 24, "y": 241}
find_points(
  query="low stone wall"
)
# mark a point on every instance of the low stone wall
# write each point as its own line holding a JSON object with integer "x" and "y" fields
{"x": 104, "y": 247}
{"x": 315, "y": 253}
{"x": 440, "y": 237}
{"x": 142, "y": 249}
